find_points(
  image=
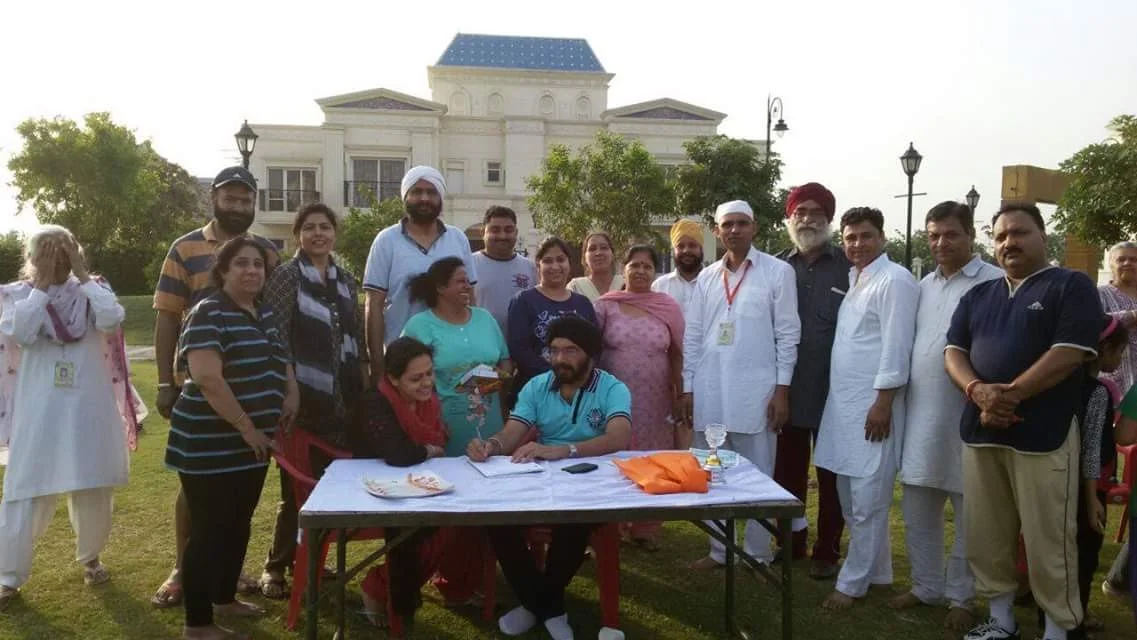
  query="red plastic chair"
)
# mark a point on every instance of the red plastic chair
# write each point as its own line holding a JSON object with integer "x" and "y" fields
{"x": 1120, "y": 493}
{"x": 294, "y": 457}
{"x": 605, "y": 541}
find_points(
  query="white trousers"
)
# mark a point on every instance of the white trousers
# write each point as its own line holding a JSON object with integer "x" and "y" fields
{"x": 760, "y": 449}
{"x": 24, "y": 521}
{"x": 924, "y": 535}
{"x": 865, "y": 503}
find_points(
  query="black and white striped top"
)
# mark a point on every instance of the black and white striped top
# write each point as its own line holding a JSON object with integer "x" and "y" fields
{"x": 255, "y": 368}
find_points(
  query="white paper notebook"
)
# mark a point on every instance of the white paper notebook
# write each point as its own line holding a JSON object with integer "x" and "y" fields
{"x": 496, "y": 466}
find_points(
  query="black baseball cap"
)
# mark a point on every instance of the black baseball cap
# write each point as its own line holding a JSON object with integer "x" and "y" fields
{"x": 235, "y": 174}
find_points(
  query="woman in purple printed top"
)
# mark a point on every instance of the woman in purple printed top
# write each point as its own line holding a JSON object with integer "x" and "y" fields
{"x": 531, "y": 311}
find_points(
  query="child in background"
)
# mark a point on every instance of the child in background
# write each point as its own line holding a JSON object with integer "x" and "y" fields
{"x": 1126, "y": 434}
{"x": 1098, "y": 458}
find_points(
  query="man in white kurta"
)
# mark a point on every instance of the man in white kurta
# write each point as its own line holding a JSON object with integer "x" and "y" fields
{"x": 931, "y": 469}
{"x": 862, "y": 427}
{"x": 739, "y": 351}
{"x": 66, "y": 432}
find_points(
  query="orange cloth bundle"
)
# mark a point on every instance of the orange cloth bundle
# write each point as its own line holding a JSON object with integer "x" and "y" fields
{"x": 660, "y": 473}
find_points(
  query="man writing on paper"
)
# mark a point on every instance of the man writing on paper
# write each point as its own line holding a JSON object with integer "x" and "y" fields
{"x": 577, "y": 410}
{"x": 739, "y": 351}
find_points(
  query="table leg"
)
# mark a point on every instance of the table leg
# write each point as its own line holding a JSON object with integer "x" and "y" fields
{"x": 315, "y": 539}
{"x": 787, "y": 584}
{"x": 341, "y": 584}
{"x": 728, "y": 531}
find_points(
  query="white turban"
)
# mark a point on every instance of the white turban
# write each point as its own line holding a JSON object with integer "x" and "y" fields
{"x": 734, "y": 206}
{"x": 423, "y": 172}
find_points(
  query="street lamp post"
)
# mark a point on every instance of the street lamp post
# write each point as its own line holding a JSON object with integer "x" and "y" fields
{"x": 972, "y": 200}
{"x": 910, "y": 162}
{"x": 246, "y": 142}
{"x": 774, "y": 108}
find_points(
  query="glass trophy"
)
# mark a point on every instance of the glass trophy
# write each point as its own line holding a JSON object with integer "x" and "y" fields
{"x": 716, "y": 436}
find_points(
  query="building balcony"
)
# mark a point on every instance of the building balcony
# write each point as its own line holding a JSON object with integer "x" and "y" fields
{"x": 285, "y": 200}
{"x": 360, "y": 193}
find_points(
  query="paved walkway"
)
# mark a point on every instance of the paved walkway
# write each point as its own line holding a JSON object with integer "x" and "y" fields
{"x": 138, "y": 352}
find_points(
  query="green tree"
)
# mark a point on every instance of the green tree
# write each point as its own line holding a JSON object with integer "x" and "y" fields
{"x": 11, "y": 255}
{"x": 358, "y": 229}
{"x": 123, "y": 200}
{"x": 720, "y": 169}
{"x": 1100, "y": 204}
{"x": 612, "y": 184}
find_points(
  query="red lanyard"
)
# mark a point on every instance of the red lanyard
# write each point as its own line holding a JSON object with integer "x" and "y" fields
{"x": 731, "y": 295}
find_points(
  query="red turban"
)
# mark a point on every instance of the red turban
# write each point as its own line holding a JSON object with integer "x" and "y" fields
{"x": 812, "y": 191}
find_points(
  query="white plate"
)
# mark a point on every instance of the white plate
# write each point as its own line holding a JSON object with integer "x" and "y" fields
{"x": 423, "y": 484}
{"x": 726, "y": 456}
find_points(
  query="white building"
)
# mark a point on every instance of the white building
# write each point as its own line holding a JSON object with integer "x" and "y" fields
{"x": 497, "y": 105}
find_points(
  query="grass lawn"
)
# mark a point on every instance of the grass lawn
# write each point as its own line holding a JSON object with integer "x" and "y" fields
{"x": 661, "y": 599}
{"x": 139, "y": 323}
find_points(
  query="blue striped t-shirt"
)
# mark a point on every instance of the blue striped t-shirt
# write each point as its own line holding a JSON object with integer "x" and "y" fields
{"x": 255, "y": 368}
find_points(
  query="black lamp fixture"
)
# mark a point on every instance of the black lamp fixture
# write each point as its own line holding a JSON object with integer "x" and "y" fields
{"x": 246, "y": 142}
{"x": 910, "y": 162}
{"x": 774, "y": 109}
{"x": 972, "y": 199}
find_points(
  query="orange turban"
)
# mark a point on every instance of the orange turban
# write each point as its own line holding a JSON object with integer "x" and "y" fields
{"x": 689, "y": 228}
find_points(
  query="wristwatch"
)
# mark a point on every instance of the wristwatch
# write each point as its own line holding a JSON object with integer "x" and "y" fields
{"x": 573, "y": 453}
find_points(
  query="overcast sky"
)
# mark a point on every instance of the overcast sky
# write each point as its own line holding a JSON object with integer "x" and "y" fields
{"x": 976, "y": 84}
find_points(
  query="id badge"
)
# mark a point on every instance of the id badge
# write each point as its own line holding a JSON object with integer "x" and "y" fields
{"x": 64, "y": 374}
{"x": 726, "y": 333}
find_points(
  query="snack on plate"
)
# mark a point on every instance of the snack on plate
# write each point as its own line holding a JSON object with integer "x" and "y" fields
{"x": 424, "y": 482}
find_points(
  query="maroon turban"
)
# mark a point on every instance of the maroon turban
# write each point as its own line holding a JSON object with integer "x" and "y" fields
{"x": 812, "y": 191}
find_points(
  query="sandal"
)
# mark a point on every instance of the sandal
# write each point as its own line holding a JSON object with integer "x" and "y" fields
{"x": 273, "y": 586}
{"x": 7, "y": 595}
{"x": 247, "y": 585}
{"x": 96, "y": 575}
{"x": 169, "y": 595}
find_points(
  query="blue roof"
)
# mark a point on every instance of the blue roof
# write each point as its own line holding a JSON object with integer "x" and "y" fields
{"x": 517, "y": 52}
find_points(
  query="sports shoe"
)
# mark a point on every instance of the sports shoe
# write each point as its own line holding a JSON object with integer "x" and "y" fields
{"x": 990, "y": 630}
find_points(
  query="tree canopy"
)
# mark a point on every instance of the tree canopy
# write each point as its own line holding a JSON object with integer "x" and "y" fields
{"x": 1100, "y": 203}
{"x": 122, "y": 200}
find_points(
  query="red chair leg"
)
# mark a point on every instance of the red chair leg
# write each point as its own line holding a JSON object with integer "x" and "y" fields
{"x": 299, "y": 584}
{"x": 606, "y": 543}
{"x": 489, "y": 588}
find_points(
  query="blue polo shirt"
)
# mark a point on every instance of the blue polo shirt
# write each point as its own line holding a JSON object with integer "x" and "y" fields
{"x": 561, "y": 422}
{"x": 1005, "y": 332}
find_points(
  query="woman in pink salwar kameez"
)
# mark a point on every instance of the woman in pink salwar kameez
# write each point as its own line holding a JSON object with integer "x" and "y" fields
{"x": 643, "y": 347}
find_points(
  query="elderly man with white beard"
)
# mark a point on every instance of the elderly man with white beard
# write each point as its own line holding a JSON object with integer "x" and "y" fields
{"x": 822, "y": 272}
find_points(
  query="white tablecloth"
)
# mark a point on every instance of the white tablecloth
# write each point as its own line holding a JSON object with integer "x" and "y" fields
{"x": 341, "y": 489}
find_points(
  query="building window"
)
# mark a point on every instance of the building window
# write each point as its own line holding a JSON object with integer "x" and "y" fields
{"x": 583, "y": 108}
{"x": 547, "y": 105}
{"x": 289, "y": 189}
{"x": 378, "y": 178}
{"x": 455, "y": 176}
{"x": 495, "y": 105}
{"x": 459, "y": 103}
{"x": 494, "y": 174}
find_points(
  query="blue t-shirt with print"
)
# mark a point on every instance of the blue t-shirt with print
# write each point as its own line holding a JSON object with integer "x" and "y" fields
{"x": 584, "y": 417}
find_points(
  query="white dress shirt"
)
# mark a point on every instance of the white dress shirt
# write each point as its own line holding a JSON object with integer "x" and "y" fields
{"x": 872, "y": 351}
{"x": 733, "y": 383}
{"x": 676, "y": 286}
{"x": 932, "y": 446}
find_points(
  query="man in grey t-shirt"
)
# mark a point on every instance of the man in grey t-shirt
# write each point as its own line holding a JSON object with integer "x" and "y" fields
{"x": 501, "y": 272}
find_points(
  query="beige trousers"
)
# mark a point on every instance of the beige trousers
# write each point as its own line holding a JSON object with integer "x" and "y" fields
{"x": 23, "y": 521}
{"x": 1007, "y": 492}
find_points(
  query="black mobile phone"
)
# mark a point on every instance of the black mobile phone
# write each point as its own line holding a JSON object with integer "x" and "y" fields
{"x": 581, "y": 467}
